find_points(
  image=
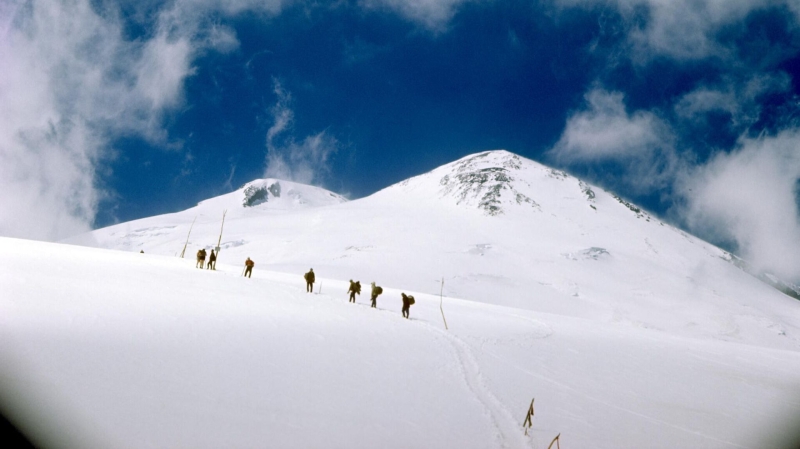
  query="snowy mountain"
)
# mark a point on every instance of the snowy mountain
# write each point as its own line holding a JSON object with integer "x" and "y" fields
{"x": 626, "y": 331}
{"x": 500, "y": 229}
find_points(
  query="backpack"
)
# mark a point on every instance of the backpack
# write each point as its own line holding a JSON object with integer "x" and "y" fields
{"x": 378, "y": 290}
{"x": 357, "y": 287}
{"x": 411, "y": 300}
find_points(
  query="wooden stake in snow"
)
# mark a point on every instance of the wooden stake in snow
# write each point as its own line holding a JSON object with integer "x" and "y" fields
{"x": 556, "y": 440}
{"x": 440, "y": 305}
{"x": 527, "y": 424}
{"x": 187, "y": 237}
{"x": 220, "y": 230}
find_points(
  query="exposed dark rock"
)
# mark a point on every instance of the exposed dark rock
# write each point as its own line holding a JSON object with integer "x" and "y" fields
{"x": 259, "y": 194}
{"x": 487, "y": 184}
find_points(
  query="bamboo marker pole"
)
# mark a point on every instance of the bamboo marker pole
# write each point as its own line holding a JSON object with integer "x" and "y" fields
{"x": 187, "y": 237}
{"x": 224, "y": 212}
{"x": 441, "y": 309}
{"x": 556, "y": 440}
{"x": 527, "y": 424}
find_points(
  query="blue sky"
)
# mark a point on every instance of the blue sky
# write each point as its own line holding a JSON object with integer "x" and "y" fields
{"x": 118, "y": 110}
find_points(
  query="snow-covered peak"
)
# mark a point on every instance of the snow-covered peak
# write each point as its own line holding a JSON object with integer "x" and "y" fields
{"x": 495, "y": 183}
{"x": 488, "y": 180}
{"x": 273, "y": 193}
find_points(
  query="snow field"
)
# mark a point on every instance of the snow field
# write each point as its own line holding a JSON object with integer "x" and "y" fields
{"x": 139, "y": 350}
{"x": 627, "y": 331}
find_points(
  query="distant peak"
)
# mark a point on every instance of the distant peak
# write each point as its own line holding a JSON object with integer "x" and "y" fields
{"x": 258, "y": 192}
{"x": 281, "y": 193}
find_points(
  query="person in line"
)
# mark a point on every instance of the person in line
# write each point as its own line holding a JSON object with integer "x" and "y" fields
{"x": 249, "y": 264}
{"x": 408, "y": 300}
{"x": 201, "y": 258}
{"x": 212, "y": 261}
{"x": 310, "y": 278}
{"x": 355, "y": 288}
{"x": 375, "y": 292}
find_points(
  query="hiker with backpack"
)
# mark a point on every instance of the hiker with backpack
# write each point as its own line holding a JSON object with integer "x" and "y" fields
{"x": 248, "y": 270}
{"x": 310, "y": 278}
{"x": 375, "y": 292}
{"x": 201, "y": 258}
{"x": 408, "y": 301}
{"x": 355, "y": 288}
{"x": 212, "y": 261}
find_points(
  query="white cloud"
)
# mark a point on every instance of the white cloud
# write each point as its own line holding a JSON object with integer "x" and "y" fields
{"x": 605, "y": 132}
{"x": 306, "y": 161}
{"x": 161, "y": 70}
{"x": 738, "y": 98}
{"x": 605, "y": 129}
{"x": 222, "y": 39}
{"x": 703, "y": 99}
{"x": 282, "y": 113}
{"x": 432, "y": 14}
{"x": 55, "y": 65}
{"x": 680, "y": 29}
{"x": 750, "y": 196}
{"x": 71, "y": 81}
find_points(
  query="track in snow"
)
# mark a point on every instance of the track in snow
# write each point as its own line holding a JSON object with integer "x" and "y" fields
{"x": 508, "y": 433}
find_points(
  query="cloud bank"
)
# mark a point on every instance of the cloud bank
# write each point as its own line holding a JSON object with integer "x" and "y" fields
{"x": 60, "y": 82}
{"x": 71, "y": 82}
{"x": 750, "y": 196}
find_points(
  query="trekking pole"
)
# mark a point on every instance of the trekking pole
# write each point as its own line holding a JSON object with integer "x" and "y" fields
{"x": 243, "y": 270}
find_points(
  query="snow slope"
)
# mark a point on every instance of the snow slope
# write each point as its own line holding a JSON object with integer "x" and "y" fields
{"x": 106, "y": 349}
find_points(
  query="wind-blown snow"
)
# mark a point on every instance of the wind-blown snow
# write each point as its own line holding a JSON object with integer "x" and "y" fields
{"x": 628, "y": 332}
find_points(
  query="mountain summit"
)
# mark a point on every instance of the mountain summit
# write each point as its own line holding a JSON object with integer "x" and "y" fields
{"x": 495, "y": 182}
{"x": 489, "y": 181}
